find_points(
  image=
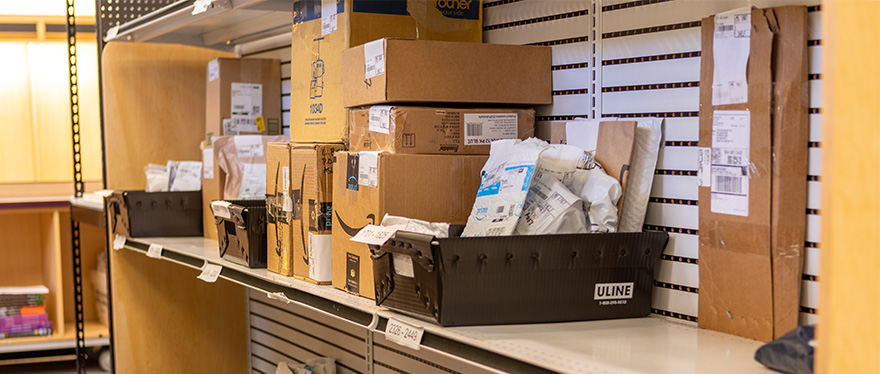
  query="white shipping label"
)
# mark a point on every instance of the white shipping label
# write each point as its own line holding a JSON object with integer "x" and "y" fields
{"x": 213, "y": 70}
{"x": 328, "y": 16}
{"x": 247, "y": 99}
{"x": 374, "y": 235}
{"x": 201, "y": 6}
{"x": 374, "y": 58}
{"x": 320, "y": 255}
{"x": 730, "y": 49}
{"x": 404, "y": 334}
{"x": 249, "y": 146}
{"x": 155, "y": 251}
{"x": 230, "y": 127}
{"x": 403, "y": 265}
{"x": 729, "y": 177}
{"x": 210, "y": 272}
{"x": 485, "y": 128}
{"x": 583, "y": 134}
{"x": 704, "y": 160}
{"x": 285, "y": 179}
{"x": 380, "y": 119}
{"x": 208, "y": 162}
{"x": 280, "y": 296}
{"x": 119, "y": 242}
{"x": 368, "y": 169}
{"x": 221, "y": 209}
{"x": 253, "y": 182}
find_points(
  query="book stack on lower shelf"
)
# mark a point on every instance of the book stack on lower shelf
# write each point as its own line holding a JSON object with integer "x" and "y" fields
{"x": 23, "y": 312}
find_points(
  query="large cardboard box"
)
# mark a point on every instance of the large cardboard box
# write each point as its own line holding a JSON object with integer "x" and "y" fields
{"x": 753, "y": 182}
{"x": 279, "y": 207}
{"x": 425, "y": 130}
{"x": 422, "y": 71}
{"x": 311, "y": 168}
{"x": 238, "y": 91}
{"x": 368, "y": 185}
{"x": 320, "y": 34}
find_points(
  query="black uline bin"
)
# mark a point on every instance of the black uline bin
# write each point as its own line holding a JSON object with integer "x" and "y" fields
{"x": 150, "y": 214}
{"x": 518, "y": 279}
{"x": 241, "y": 231}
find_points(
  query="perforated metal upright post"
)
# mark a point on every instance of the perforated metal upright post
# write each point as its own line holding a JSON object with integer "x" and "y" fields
{"x": 78, "y": 189}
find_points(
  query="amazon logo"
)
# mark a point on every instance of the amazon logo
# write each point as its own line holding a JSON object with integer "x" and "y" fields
{"x": 352, "y": 231}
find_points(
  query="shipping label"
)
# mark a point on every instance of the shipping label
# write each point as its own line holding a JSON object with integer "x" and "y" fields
{"x": 374, "y": 58}
{"x": 484, "y": 128}
{"x": 731, "y": 131}
{"x": 380, "y": 119}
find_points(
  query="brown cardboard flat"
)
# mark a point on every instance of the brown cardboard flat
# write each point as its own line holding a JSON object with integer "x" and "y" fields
{"x": 278, "y": 231}
{"x": 790, "y": 148}
{"x": 312, "y": 185}
{"x": 436, "y": 188}
{"x": 316, "y": 113}
{"x": 427, "y": 130}
{"x": 613, "y": 149}
{"x": 552, "y": 132}
{"x": 736, "y": 294}
{"x": 266, "y": 72}
{"x": 450, "y": 72}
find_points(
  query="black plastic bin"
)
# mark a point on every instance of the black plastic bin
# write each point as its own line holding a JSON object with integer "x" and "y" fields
{"x": 242, "y": 233}
{"x": 518, "y": 279}
{"x": 150, "y": 214}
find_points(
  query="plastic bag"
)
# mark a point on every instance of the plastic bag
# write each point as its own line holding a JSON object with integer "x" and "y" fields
{"x": 505, "y": 182}
{"x": 186, "y": 176}
{"x": 243, "y": 159}
{"x": 551, "y": 208}
{"x": 601, "y": 193}
{"x": 158, "y": 178}
{"x": 791, "y": 353}
{"x": 438, "y": 229}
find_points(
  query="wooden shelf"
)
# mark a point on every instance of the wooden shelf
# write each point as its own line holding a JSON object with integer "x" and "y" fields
{"x": 97, "y": 334}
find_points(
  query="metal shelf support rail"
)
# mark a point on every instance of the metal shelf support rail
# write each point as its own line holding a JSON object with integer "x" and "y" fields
{"x": 79, "y": 188}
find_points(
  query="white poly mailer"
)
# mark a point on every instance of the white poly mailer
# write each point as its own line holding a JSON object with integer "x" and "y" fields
{"x": 505, "y": 182}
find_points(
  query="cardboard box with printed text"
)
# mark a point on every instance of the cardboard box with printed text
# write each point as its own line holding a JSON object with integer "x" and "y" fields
{"x": 320, "y": 34}
{"x": 425, "y": 130}
{"x": 311, "y": 167}
{"x": 368, "y": 185}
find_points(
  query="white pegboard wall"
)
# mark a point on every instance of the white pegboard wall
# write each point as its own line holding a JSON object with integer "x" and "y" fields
{"x": 650, "y": 65}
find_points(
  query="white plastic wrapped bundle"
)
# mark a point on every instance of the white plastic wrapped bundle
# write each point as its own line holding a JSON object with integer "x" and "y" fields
{"x": 551, "y": 208}
{"x": 601, "y": 192}
{"x": 505, "y": 182}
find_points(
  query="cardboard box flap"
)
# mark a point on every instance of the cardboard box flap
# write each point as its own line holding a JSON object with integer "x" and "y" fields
{"x": 614, "y": 150}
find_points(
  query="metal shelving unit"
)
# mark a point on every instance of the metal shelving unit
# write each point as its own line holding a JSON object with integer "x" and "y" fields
{"x": 614, "y": 346}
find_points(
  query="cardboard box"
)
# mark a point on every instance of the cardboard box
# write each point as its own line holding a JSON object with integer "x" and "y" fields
{"x": 436, "y": 188}
{"x": 424, "y": 130}
{"x": 494, "y": 280}
{"x": 240, "y": 89}
{"x": 420, "y": 71}
{"x": 312, "y": 190}
{"x": 279, "y": 207}
{"x": 751, "y": 248}
{"x": 316, "y": 113}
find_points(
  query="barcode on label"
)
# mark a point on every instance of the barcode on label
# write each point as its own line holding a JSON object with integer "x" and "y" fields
{"x": 728, "y": 184}
{"x": 495, "y": 231}
{"x": 541, "y": 193}
{"x": 475, "y": 129}
{"x": 500, "y": 209}
{"x": 725, "y": 28}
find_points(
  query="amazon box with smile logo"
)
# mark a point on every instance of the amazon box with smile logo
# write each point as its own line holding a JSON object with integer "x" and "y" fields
{"x": 311, "y": 186}
{"x": 368, "y": 185}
